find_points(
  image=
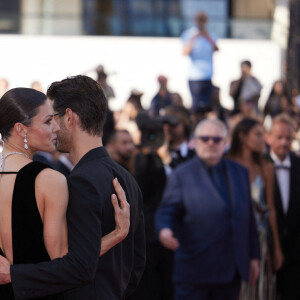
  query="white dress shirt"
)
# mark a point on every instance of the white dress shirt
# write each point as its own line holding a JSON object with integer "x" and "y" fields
{"x": 184, "y": 150}
{"x": 283, "y": 179}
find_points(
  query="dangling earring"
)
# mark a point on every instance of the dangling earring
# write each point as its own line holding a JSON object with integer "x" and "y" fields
{"x": 25, "y": 142}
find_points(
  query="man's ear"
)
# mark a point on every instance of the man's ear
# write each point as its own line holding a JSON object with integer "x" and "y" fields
{"x": 70, "y": 118}
{"x": 268, "y": 138}
{"x": 20, "y": 129}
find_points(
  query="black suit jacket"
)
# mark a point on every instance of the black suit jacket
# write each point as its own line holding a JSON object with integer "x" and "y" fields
{"x": 90, "y": 216}
{"x": 289, "y": 224}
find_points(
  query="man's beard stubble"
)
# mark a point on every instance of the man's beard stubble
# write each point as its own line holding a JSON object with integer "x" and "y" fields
{"x": 63, "y": 140}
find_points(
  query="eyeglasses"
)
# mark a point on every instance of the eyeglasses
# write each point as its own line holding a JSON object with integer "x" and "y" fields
{"x": 206, "y": 138}
{"x": 59, "y": 114}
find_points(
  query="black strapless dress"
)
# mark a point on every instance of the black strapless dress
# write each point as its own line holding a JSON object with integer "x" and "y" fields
{"x": 27, "y": 226}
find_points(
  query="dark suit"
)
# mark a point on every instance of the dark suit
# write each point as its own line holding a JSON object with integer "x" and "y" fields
{"x": 62, "y": 168}
{"x": 45, "y": 158}
{"x": 156, "y": 282}
{"x": 178, "y": 159}
{"x": 90, "y": 216}
{"x": 217, "y": 238}
{"x": 288, "y": 278}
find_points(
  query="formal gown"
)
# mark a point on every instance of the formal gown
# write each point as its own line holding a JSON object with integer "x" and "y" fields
{"x": 27, "y": 226}
{"x": 264, "y": 289}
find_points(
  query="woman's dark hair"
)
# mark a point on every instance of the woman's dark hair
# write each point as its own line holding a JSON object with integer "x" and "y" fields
{"x": 244, "y": 127}
{"x": 183, "y": 116}
{"x": 136, "y": 102}
{"x": 19, "y": 105}
{"x": 284, "y": 90}
{"x": 85, "y": 97}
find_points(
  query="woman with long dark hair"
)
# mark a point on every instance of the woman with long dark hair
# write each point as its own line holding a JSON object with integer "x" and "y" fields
{"x": 278, "y": 100}
{"x": 247, "y": 148}
{"x": 34, "y": 197}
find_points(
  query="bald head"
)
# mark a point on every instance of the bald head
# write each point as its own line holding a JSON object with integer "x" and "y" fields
{"x": 214, "y": 122}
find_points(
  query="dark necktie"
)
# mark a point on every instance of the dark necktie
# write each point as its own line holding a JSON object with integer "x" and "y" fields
{"x": 219, "y": 178}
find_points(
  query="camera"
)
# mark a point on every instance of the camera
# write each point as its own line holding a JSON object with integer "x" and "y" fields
{"x": 152, "y": 130}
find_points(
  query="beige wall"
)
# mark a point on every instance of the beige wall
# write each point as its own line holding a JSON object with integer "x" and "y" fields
{"x": 51, "y": 17}
{"x": 253, "y": 8}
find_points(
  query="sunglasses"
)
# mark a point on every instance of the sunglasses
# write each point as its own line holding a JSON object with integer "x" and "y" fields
{"x": 206, "y": 138}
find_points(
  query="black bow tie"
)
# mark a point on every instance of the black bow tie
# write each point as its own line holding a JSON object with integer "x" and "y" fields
{"x": 282, "y": 167}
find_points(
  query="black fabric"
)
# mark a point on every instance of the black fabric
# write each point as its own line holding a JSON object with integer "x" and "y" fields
{"x": 90, "y": 216}
{"x": 27, "y": 226}
{"x": 150, "y": 175}
{"x": 289, "y": 234}
{"x": 8, "y": 172}
{"x": 6, "y": 291}
{"x": 156, "y": 281}
{"x": 178, "y": 159}
{"x": 109, "y": 126}
{"x": 60, "y": 167}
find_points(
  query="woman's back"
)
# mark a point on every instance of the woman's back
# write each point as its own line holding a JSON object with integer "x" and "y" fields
{"x": 21, "y": 226}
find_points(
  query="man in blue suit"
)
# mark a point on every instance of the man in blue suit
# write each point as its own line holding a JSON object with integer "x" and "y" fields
{"x": 206, "y": 216}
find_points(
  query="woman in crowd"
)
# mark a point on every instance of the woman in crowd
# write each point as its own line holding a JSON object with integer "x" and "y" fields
{"x": 278, "y": 100}
{"x": 247, "y": 147}
{"x": 34, "y": 198}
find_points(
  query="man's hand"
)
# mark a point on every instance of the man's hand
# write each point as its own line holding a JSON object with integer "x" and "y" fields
{"x": 253, "y": 271}
{"x": 4, "y": 271}
{"x": 278, "y": 258}
{"x": 167, "y": 239}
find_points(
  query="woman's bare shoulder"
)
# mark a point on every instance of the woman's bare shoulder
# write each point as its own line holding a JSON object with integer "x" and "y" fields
{"x": 51, "y": 180}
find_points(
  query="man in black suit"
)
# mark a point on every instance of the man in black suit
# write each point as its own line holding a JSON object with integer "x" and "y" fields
{"x": 287, "y": 203}
{"x": 80, "y": 107}
{"x": 175, "y": 149}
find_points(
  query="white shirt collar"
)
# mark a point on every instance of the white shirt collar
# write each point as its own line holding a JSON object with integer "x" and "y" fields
{"x": 278, "y": 162}
{"x": 184, "y": 149}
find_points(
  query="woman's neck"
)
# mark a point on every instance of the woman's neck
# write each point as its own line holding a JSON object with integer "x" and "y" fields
{"x": 12, "y": 147}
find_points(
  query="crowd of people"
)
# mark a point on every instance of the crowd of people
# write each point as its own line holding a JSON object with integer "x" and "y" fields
{"x": 216, "y": 207}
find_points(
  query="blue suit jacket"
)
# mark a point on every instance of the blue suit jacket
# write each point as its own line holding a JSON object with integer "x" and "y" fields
{"x": 216, "y": 238}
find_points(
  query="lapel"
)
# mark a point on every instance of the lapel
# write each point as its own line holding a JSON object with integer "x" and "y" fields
{"x": 277, "y": 194}
{"x": 231, "y": 177}
{"x": 206, "y": 183}
{"x": 293, "y": 184}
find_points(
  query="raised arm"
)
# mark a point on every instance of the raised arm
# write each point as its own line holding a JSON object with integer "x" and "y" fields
{"x": 55, "y": 202}
{"x": 189, "y": 45}
{"x": 54, "y": 218}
